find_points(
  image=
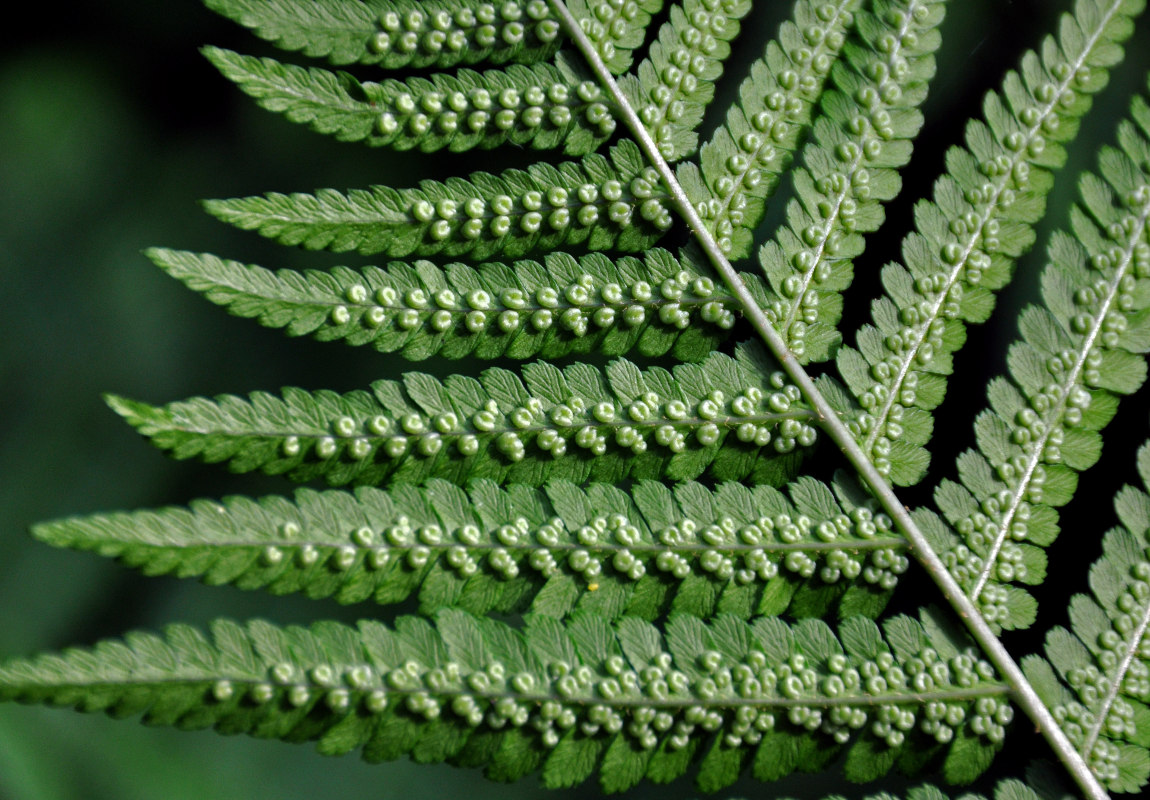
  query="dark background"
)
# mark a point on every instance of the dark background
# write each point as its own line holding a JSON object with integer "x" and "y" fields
{"x": 112, "y": 127}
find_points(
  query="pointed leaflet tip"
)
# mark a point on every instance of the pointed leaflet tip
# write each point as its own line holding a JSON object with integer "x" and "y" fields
{"x": 141, "y": 416}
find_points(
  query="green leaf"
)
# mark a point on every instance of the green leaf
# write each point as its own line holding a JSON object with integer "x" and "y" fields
{"x": 394, "y": 33}
{"x": 740, "y": 167}
{"x": 384, "y": 690}
{"x": 506, "y": 428}
{"x": 1093, "y": 676}
{"x": 511, "y": 214}
{"x": 1037, "y": 432}
{"x": 980, "y": 221}
{"x": 673, "y": 85}
{"x": 541, "y": 106}
{"x": 849, "y": 169}
{"x": 560, "y": 305}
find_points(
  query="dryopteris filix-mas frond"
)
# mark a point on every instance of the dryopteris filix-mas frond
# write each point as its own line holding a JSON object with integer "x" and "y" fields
{"x": 691, "y": 580}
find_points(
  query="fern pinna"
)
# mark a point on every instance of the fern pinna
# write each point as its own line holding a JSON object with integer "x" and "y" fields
{"x": 638, "y": 498}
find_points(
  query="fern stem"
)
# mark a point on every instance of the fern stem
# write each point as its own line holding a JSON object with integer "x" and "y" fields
{"x": 1021, "y": 689}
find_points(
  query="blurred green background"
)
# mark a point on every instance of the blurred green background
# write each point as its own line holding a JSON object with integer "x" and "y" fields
{"x": 111, "y": 128}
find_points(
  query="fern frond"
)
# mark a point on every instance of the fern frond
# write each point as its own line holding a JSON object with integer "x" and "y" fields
{"x": 617, "y": 28}
{"x": 561, "y": 305}
{"x": 676, "y": 81}
{"x": 402, "y": 33}
{"x": 540, "y": 106}
{"x": 559, "y": 696}
{"x": 1008, "y": 789}
{"x": 722, "y": 417}
{"x": 967, "y": 240}
{"x": 1097, "y": 679}
{"x": 740, "y": 167}
{"x": 691, "y": 550}
{"x": 849, "y": 170}
{"x": 598, "y": 203}
{"x": 1075, "y": 358}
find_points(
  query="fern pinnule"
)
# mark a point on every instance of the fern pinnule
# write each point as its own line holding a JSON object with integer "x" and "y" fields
{"x": 740, "y": 166}
{"x": 849, "y": 169}
{"x": 1076, "y": 356}
{"x": 596, "y": 203}
{"x": 616, "y": 28}
{"x": 674, "y": 84}
{"x": 1096, "y": 676}
{"x": 968, "y": 239}
{"x": 634, "y": 700}
{"x": 543, "y": 106}
{"x": 655, "y": 305}
{"x": 721, "y": 417}
{"x": 557, "y": 549}
{"x": 402, "y": 33}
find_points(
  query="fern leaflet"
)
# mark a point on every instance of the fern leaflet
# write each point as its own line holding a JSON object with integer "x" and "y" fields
{"x": 473, "y": 691}
{"x": 542, "y": 106}
{"x": 722, "y": 417}
{"x": 1097, "y": 679}
{"x": 733, "y": 550}
{"x": 1077, "y": 355}
{"x": 967, "y": 240}
{"x": 559, "y": 305}
{"x": 402, "y": 33}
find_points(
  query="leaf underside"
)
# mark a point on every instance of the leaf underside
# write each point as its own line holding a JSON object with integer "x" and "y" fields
{"x": 625, "y": 483}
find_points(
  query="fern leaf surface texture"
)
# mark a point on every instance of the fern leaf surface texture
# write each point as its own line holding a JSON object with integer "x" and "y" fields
{"x": 402, "y": 33}
{"x": 967, "y": 240}
{"x": 741, "y": 165}
{"x": 1096, "y": 676}
{"x": 849, "y": 169}
{"x": 473, "y": 691}
{"x": 1078, "y": 354}
{"x": 598, "y": 203}
{"x": 656, "y": 549}
{"x": 652, "y": 305}
{"x": 720, "y": 417}
{"x": 541, "y": 106}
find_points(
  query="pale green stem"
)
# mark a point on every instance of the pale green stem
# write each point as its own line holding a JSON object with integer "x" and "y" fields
{"x": 1021, "y": 690}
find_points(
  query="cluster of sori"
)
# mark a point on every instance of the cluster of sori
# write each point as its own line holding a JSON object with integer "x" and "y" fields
{"x": 615, "y": 544}
{"x": 1082, "y": 726}
{"x": 842, "y": 194}
{"x": 838, "y": 697}
{"x": 553, "y": 210}
{"x": 859, "y": 147}
{"x": 755, "y": 417}
{"x": 956, "y": 260}
{"x": 577, "y": 307}
{"x": 408, "y": 111}
{"x": 615, "y": 27}
{"x": 560, "y": 304}
{"x": 676, "y": 80}
{"x": 1074, "y": 357}
{"x": 1009, "y": 565}
{"x": 472, "y": 33}
{"x": 741, "y": 165}
{"x": 895, "y": 395}
{"x": 1108, "y": 684}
